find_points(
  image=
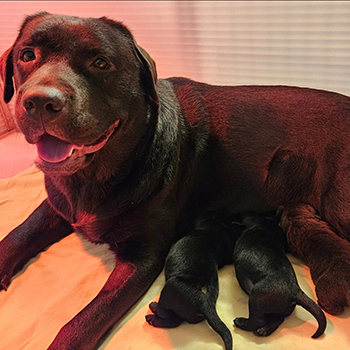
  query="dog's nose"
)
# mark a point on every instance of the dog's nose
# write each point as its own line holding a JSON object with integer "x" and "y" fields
{"x": 44, "y": 102}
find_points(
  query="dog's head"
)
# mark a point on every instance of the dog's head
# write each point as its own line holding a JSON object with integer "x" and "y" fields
{"x": 83, "y": 87}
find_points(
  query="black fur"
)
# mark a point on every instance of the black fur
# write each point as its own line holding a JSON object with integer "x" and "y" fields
{"x": 191, "y": 272}
{"x": 265, "y": 273}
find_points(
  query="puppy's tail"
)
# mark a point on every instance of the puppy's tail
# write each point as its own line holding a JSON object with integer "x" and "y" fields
{"x": 309, "y": 305}
{"x": 216, "y": 323}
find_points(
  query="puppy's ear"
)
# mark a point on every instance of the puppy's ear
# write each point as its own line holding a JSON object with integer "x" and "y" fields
{"x": 6, "y": 71}
{"x": 148, "y": 73}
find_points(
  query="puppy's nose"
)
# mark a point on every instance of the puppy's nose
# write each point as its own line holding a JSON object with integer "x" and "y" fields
{"x": 44, "y": 102}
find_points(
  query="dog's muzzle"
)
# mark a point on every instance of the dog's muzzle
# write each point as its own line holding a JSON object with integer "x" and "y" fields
{"x": 43, "y": 104}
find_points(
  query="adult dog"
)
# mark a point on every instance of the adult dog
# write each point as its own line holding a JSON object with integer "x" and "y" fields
{"x": 129, "y": 160}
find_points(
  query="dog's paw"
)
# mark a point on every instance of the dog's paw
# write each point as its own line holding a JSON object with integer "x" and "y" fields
{"x": 261, "y": 332}
{"x": 7, "y": 267}
{"x": 156, "y": 321}
{"x": 160, "y": 311}
{"x": 12, "y": 259}
{"x": 333, "y": 288}
{"x": 273, "y": 321}
{"x": 153, "y": 306}
{"x": 5, "y": 282}
{"x": 159, "y": 322}
{"x": 162, "y": 318}
{"x": 150, "y": 319}
{"x": 242, "y": 323}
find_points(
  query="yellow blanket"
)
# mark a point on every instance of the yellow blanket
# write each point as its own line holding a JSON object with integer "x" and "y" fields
{"x": 59, "y": 282}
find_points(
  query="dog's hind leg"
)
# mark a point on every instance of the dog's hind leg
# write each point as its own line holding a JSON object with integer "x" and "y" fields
{"x": 273, "y": 322}
{"x": 256, "y": 318}
{"x": 249, "y": 324}
{"x": 326, "y": 254}
{"x": 162, "y": 318}
{"x": 41, "y": 229}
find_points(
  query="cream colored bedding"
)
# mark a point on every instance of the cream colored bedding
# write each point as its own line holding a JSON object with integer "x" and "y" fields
{"x": 59, "y": 282}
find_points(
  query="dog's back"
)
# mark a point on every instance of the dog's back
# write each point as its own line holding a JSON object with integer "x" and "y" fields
{"x": 270, "y": 140}
{"x": 259, "y": 251}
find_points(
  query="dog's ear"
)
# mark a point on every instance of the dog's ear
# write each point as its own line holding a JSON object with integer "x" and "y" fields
{"x": 6, "y": 71}
{"x": 149, "y": 73}
{"x": 148, "y": 66}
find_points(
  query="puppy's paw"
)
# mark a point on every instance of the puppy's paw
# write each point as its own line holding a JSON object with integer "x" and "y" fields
{"x": 153, "y": 306}
{"x": 261, "y": 332}
{"x": 258, "y": 327}
{"x": 151, "y": 320}
{"x": 162, "y": 317}
{"x": 242, "y": 323}
{"x": 273, "y": 321}
{"x": 159, "y": 322}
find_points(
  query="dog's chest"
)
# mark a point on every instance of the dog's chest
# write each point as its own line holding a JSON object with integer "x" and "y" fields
{"x": 79, "y": 210}
{"x": 90, "y": 227}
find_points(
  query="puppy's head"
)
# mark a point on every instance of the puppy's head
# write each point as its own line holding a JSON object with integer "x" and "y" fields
{"x": 266, "y": 221}
{"x": 83, "y": 88}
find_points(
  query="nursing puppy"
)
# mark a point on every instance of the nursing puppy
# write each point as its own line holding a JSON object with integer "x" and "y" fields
{"x": 191, "y": 272}
{"x": 265, "y": 273}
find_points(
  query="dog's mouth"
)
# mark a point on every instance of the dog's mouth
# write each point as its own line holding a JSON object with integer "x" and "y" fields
{"x": 53, "y": 150}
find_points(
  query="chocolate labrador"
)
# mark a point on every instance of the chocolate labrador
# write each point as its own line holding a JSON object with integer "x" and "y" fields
{"x": 265, "y": 273}
{"x": 191, "y": 274}
{"x": 131, "y": 160}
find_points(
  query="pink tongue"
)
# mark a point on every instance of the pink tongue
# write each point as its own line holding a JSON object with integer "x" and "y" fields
{"x": 53, "y": 150}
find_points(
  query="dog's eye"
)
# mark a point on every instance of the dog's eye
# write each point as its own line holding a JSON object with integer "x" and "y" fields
{"x": 100, "y": 63}
{"x": 28, "y": 55}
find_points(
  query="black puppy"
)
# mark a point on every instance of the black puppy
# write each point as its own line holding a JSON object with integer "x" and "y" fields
{"x": 266, "y": 274}
{"x": 191, "y": 272}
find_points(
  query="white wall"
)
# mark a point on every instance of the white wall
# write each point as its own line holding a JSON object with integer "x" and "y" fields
{"x": 303, "y": 43}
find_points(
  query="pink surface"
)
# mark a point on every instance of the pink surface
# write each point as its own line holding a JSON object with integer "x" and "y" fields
{"x": 16, "y": 155}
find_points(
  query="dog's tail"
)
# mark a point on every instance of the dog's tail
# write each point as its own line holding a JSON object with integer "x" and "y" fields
{"x": 217, "y": 324}
{"x": 309, "y": 305}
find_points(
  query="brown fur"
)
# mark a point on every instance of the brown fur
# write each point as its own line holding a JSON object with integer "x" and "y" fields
{"x": 151, "y": 155}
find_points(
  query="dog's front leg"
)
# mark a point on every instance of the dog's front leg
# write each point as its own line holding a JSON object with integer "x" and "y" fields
{"x": 42, "y": 228}
{"x": 126, "y": 284}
